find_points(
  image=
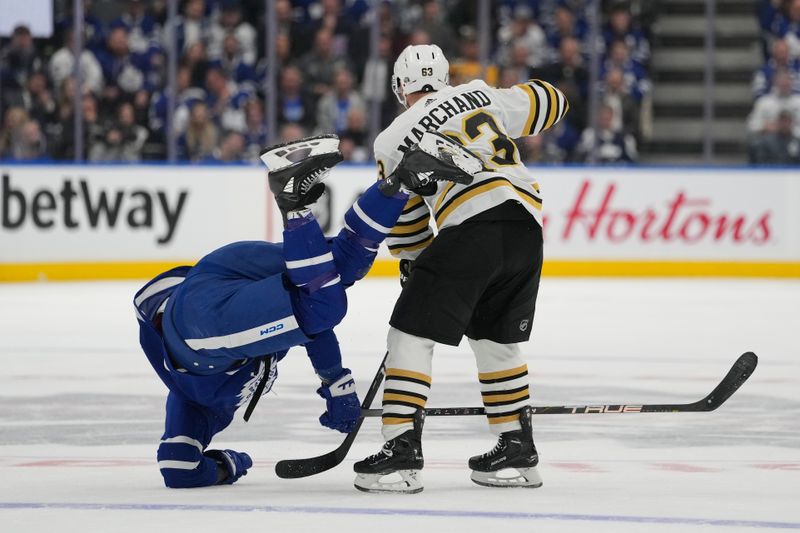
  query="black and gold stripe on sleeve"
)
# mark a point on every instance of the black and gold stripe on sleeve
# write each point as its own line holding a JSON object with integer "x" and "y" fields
{"x": 535, "y": 109}
{"x": 412, "y": 231}
{"x": 407, "y": 228}
{"x": 412, "y": 203}
{"x": 410, "y": 246}
{"x": 483, "y": 186}
{"x": 548, "y": 106}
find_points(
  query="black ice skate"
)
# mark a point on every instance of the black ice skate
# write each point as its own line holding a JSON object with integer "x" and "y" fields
{"x": 296, "y": 170}
{"x": 512, "y": 462}
{"x": 401, "y": 456}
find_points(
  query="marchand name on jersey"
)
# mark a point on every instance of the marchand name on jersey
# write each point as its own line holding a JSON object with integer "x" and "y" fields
{"x": 446, "y": 110}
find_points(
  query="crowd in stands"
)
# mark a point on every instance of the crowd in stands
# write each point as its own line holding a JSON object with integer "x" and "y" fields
{"x": 326, "y": 81}
{"x": 774, "y": 123}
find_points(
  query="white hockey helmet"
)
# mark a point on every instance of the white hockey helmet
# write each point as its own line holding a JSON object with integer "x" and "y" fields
{"x": 419, "y": 67}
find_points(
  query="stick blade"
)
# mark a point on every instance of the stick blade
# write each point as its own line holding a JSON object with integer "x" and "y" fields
{"x": 741, "y": 370}
{"x": 297, "y": 468}
{"x": 310, "y": 466}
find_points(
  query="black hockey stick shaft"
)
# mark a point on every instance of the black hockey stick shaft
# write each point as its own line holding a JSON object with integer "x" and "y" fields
{"x": 296, "y": 468}
{"x": 736, "y": 376}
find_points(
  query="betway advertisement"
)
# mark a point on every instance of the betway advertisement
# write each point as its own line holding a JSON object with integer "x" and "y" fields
{"x": 126, "y": 213}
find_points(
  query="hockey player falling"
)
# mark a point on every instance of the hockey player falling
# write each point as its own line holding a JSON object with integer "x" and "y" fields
{"x": 478, "y": 277}
{"x": 215, "y": 332}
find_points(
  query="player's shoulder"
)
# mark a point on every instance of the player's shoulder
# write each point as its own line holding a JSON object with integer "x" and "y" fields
{"x": 391, "y": 136}
{"x": 473, "y": 85}
{"x": 384, "y": 140}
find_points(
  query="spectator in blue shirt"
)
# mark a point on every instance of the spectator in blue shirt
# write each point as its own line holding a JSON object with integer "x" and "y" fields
{"x": 788, "y": 27}
{"x": 142, "y": 28}
{"x": 619, "y": 28}
{"x": 192, "y": 27}
{"x": 230, "y": 21}
{"x": 780, "y": 60}
{"x": 124, "y": 72}
{"x": 186, "y": 95}
{"x": 94, "y": 36}
{"x": 769, "y": 15}
{"x": 635, "y": 77}
{"x": 564, "y": 25}
{"x": 225, "y": 100}
{"x": 233, "y": 63}
{"x": 295, "y": 103}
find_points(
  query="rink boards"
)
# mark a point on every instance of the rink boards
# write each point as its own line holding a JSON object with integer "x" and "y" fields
{"x": 120, "y": 221}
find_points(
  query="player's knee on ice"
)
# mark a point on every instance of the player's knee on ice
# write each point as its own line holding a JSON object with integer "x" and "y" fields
{"x": 183, "y": 465}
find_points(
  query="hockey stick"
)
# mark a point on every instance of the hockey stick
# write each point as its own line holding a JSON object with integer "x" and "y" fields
{"x": 295, "y": 468}
{"x": 736, "y": 376}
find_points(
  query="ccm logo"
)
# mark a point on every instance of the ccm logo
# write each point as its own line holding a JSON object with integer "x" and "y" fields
{"x": 271, "y": 329}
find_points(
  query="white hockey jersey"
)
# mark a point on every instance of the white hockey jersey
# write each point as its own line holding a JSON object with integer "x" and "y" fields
{"x": 485, "y": 120}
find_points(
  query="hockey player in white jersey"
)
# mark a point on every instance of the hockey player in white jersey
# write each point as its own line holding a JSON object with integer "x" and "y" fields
{"x": 479, "y": 276}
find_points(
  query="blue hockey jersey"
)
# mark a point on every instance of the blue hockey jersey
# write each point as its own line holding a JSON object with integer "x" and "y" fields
{"x": 231, "y": 388}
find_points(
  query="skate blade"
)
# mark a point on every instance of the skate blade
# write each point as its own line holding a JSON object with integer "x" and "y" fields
{"x": 410, "y": 482}
{"x": 284, "y": 155}
{"x": 521, "y": 477}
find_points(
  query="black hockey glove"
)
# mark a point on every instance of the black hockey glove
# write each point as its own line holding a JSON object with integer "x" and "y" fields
{"x": 405, "y": 270}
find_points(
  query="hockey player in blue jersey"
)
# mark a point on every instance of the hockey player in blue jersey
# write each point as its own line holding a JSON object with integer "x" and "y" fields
{"x": 215, "y": 332}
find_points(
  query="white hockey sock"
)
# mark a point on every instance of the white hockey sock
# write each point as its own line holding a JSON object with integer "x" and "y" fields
{"x": 408, "y": 381}
{"x": 504, "y": 383}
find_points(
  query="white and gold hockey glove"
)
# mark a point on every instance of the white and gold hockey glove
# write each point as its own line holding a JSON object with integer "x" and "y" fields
{"x": 436, "y": 157}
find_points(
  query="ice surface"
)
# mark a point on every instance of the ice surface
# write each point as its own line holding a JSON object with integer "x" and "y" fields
{"x": 81, "y": 414}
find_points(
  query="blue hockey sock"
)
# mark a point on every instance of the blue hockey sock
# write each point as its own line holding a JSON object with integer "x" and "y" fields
{"x": 309, "y": 261}
{"x": 372, "y": 217}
